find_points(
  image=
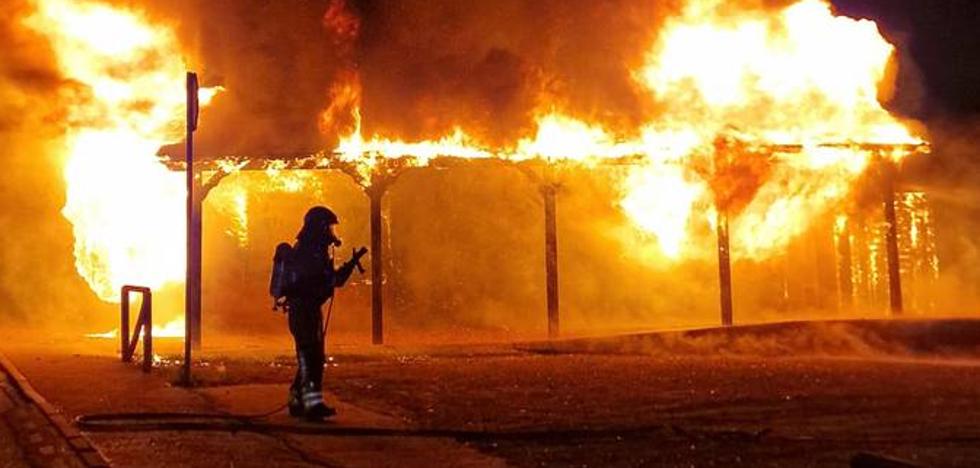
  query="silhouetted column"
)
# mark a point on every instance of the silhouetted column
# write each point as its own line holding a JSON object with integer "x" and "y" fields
{"x": 845, "y": 283}
{"x": 551, "y": 257}
{"x": 724, "y": 269}
{"x": 891, "y": 239}
{"x": 377, "y": 266}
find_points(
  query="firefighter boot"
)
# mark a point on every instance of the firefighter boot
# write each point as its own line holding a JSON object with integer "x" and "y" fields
{"x": 312, "y": 390}
{"x": 295, "y": 401}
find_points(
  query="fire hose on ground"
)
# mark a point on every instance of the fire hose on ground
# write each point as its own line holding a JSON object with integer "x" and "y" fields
{"x": 152, "y": 422}
{"x": 148, "y": 422}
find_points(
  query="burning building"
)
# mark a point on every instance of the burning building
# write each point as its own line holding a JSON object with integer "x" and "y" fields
{"x": 750, "y": 134}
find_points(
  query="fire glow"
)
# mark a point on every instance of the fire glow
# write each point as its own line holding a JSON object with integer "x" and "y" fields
{"x": 795, "y": 76}
{"x": 124, "y": 205}
{"x": 799, "y": 76}
{"x": 171, "y": 329}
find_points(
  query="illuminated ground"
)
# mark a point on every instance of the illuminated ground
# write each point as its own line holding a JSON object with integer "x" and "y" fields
{"x": 578, "y": 404}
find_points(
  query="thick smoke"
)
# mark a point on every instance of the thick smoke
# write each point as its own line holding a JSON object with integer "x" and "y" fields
{"x": 423, "y": 68}
{"x": 872, "y": 339}
{"x": 276, "y": 61}
{"x": 491, "y": 66}
{"x": 951, "y": 175}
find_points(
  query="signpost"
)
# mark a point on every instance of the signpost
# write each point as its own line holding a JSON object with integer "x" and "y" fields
{"x": 192, "y": 290}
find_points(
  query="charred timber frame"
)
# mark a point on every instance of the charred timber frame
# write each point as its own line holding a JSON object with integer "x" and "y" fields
{"x": 549, "y": 185}
{"x": 883, "y": 157}
{"x": 376, "y": 183}
{"x": 548, "y": 191}
{"x": 888, "y": 174}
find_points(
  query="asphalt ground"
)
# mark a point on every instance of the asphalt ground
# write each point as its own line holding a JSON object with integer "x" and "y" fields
{"x": 813, "y": 395}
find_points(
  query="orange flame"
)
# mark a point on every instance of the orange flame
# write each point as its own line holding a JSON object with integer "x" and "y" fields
{"x": 172, "y": 329}
{"x": 797, "y": 75}
{"x": 800, "y": 76}
{"x": 125, "y": 207}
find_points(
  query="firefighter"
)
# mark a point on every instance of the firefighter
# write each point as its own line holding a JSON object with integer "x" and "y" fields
{"x": 316, "y": 279}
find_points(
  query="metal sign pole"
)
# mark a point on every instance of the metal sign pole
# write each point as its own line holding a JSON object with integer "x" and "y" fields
{"x": 189, "y": 284}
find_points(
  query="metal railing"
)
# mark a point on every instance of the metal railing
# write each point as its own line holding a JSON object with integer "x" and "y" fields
{"x": 144, "y": 323}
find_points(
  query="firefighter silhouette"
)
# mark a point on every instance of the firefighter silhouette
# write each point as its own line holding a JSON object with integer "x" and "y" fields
{"x": 303, "y": 279}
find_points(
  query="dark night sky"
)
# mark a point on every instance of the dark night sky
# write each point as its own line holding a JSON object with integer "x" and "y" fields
{"x": 943, "y": 38}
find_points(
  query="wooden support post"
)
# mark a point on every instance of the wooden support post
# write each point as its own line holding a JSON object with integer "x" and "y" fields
{"x": 551, "y": 257}
{"x": 724, "y": 269}
{"x": 891, "y": 239}
{"x": 376, "y": 194}
{"x": 862, "y": 264}
{"x": 845, "y": 275}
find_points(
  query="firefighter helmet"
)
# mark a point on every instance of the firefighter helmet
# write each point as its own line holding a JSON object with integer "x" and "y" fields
{"x": 320, "y": 216}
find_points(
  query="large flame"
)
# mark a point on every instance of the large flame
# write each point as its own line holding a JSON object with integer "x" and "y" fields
{"x": 797, "y": 76}
{"x": 126, "y": 208}
{"x": 172, "y": 329}
{"x": 750, "y": 79}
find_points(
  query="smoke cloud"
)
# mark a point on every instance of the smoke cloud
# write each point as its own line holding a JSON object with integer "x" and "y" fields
{"x": 490, "y": 67}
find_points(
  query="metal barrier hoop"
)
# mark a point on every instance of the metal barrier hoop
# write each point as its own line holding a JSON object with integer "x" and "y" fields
{"x": 144, "y": 323}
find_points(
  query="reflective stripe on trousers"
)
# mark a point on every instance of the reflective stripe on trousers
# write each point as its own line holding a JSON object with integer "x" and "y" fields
{"x": 312, "y": 398}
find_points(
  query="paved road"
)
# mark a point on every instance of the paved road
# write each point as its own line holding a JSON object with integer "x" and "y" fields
{"x": 616, "y": 410}
{"x": 811, "y": 398}
{"x": 79, "y": 384}
{"x": 26, "y": 437}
